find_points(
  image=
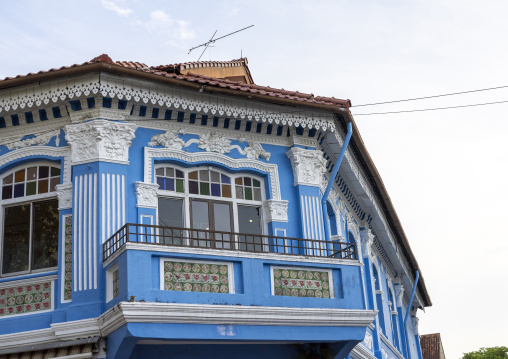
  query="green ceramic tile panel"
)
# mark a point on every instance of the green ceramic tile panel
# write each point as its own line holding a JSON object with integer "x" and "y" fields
{"x": 24, "y": 299}
{"x": 292, "y": 282}
{"x": 207, "y": 277}
{"x": 68, "y": 259}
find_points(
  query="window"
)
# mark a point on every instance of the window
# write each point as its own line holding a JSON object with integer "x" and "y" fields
{"x": 222, "y": 209}
{"x": 29, "y": 221}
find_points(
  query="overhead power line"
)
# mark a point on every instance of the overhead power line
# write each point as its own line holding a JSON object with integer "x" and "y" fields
{"x": 434, "y": 96}
{"x": 429, "y": 109}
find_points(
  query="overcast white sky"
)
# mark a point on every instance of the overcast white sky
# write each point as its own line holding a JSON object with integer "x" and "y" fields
{"x": 446, "y": 171}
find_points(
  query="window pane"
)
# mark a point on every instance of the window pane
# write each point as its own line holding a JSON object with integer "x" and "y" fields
{"x": 159, "y": 172}
{"x": 215, "y": 189}
{"x": 43, "y": 186}
{"x": 247, "y": 181}
{"x": 204, "y": 188}
{"x": 7, "y": 192}
{"x": 193, "y": 187}
{"x": 31, "y": 173}
{"x": 170, "y": 172}
{"x": 238, "y": 180}
{"x": 43, "y": 172}
{"x": 179, "y": 185}
{"x": 179, "y": 174}
{"x": 8, "y": 179}
{"x": 53, "y": 183}
{"x": 256, "y": 183}
{"x": 31, "y": 188}
{"x": 160, "y": 182}
{"x": 45, "y": 234}
{"x": 19, "y": 190}
{"x": 55, "y": 171}
{"x": 193, "y": 175}
{"x": 239, "y": 192}
{"x": 19, "y": 176}
{"x": 215, "y": 177}
{"x": 222, "y": 222}
{"x": 248, "y": 193}
{"x": 200, "y": 220}
{"x": 170, "y": 183}
{"x": 257, "y": 194}
{"x": 203, "y": 175}
{"x": 171, "y": 215}
{"x": 249, "y": 222}
{"x": 226, "y": 191}
{"x": 225, "y": 179}
{"x": 16, "y": 239}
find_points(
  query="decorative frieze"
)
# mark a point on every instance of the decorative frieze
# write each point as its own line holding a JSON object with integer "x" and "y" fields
{"x": 100, "y": 140}
{"x": 64, "y": 194}
{"x": 308, "y": 166}
{"x": 210, "y": 142}
{"x": 367, "y": 239}
{"x": 276, "y": 211}
{"x": 67, "y": 281}
{"x": 197, "y": 276}
{"x": 41, "y": 139}
{"x": 26, "y": 298}
{"x": 300, "y": 282}
{"x": 146, "y": 194}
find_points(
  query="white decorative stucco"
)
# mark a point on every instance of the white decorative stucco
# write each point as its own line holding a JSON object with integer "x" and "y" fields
{"x": 169, "y": 153}
{"x": 276, "y": 211}
{"x": 367, "y": 239}
{"x": 64, "y": 194}
{"x": 100, "y": 140}
{"x": 41, "y": 139}
{"x": 146, "y": 194}
{"x": 399, "y": 294}
{"x": 210, "y": 142}
{"x": 308, "y": 166}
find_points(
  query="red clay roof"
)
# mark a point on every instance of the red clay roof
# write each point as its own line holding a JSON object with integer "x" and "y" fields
{"x": 431, "y": 346}
{"x": 169, "y": 71}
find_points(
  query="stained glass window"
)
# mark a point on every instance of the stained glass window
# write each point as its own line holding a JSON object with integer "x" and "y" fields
{"x": 248, "y": 188}
{"x": 209, "y": 183}
{"x": 170, "y": 179}
{"x": 30, "y": 181}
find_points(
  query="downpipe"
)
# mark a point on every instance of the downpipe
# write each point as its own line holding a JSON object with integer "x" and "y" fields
{"x": 409, "y": 310}
{"x": 332, "y": 179}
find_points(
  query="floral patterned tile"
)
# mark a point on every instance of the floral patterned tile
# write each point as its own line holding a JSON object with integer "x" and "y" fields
{"x": 293, "y": 282}
{"x": 25, "y": 299}
{"x": 68, "y": 259}
{"x": 196, "y": 277}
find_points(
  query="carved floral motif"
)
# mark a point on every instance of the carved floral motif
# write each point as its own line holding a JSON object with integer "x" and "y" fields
{"x": 308, "y": 166}
{"x": 168, "y": 139}
{"x": 100, "y": 140}
{"x": 38, "y": 140}
{"x": 64, "y": 193}
{"x": 367, "y": 239}
{"x": 146, "y": 194}
{"x": 399, "y": 294}
{"x": 276, "y": 211}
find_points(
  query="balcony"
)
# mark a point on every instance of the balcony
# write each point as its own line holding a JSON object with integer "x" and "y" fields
{"x": 225, "y": 241}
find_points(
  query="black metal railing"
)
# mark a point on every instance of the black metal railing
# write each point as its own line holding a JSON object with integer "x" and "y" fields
{"x": 202, "y": 238}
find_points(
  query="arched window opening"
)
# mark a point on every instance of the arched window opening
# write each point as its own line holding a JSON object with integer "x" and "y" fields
{"x": 332, "y": 219}
{"x": 30, "y": 219}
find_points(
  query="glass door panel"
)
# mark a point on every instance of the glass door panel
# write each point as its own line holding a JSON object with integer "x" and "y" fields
{"x": 200, "y": 219}
{"x": 171, "y": 215}
{"x": 16, "y": 239}
{"x": 249, "y": 224}
{"x": 222, "y": 223}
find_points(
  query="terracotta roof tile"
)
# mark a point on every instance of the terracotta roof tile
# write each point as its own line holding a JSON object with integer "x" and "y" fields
{"x": 431, "y": 346}
{"x": 169, "y": 71}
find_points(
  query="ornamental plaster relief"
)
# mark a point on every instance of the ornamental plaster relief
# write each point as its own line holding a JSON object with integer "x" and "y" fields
{"x": 276, "y": 211}
{"x": 64, "y": 194}
{"x": 213, "y": 158}
{"x": 41, "y": 139}
{"x": 210, "y": 142}
{"x": 367, "y": 342}
{"x": 177, "y": 98}
{"x": 100, "y": 140}
{"x": 367, "y": 239}
{"x": 399, "y": 294}
{"x": 12, "y": 134}
{"x": 415, "y": 321}
{"x": 308, "y": 166}
{"x": 146, "y": 194}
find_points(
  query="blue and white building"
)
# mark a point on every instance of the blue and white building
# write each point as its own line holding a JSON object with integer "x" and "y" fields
{"x": 154, "y": 212}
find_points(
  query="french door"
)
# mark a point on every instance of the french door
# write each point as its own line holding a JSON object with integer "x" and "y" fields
{"x": 212, "y": 223}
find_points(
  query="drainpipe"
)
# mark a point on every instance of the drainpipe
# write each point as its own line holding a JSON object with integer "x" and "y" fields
{"x": 332, "y": 179}
{"x": 409, "y": 309}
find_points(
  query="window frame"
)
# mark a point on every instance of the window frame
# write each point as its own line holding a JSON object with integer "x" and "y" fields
{"x": 233, "y": 200}
{"x": 29, "y": 199}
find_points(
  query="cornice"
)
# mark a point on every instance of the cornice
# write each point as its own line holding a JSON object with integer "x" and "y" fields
{"x": 147, "y": 312}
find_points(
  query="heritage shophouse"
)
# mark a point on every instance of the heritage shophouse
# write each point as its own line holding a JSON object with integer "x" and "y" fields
{"x": 180, "y": 211}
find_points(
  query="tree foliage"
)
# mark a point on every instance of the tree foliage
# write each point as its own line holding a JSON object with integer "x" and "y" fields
{"x": 488, "y": 353}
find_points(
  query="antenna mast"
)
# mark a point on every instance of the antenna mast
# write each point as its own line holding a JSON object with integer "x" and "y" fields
{"x": 212, "y": 40}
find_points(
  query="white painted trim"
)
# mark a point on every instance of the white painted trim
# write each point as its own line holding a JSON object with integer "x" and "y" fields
{"x": 139, "y": 312}
{"x": 390, "y": 346}
{"x": 168, "y": 153}
{"x": 231, "y": 274}
{"x": 312, "y": 269}
{"x": 48, "y": 151}
{"x": 360, "y": 352}
{"x": 229, "y": 253}
{"x": 109, "y": 282}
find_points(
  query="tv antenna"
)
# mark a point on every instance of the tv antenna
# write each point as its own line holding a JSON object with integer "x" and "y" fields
{"x": 212, "y": 40}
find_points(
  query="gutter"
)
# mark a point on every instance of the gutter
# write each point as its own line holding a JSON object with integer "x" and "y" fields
{"x": 332, "y": 179}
